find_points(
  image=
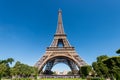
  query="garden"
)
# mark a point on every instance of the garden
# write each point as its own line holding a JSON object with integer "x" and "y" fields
{"x": 104, "y": 68}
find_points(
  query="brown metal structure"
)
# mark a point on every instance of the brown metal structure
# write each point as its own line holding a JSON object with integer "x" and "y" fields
{"x": 60, "y": 51}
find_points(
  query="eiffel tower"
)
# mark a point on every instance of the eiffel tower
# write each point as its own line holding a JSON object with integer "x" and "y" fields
{"x": 60, "y": 51}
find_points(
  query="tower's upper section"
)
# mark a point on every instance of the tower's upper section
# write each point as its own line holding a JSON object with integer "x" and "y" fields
{"x": 60, "y": 39}
{"x": 60, "y": 29}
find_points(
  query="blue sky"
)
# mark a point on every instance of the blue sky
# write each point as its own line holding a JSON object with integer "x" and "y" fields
{"x": 27, "y": 28}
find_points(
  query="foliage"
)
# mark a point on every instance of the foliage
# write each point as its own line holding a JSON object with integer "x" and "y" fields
{"x": 96, "y": 68}
{"x": 85, "y": 70}
{"x": 101, "y": 58}
{"x": 4, "y": 67}
{"x": 19, "y": 69}
{"x": 107, "y": 67}
{"x": 23, "y": 70}
{"x": 118, "y": 51}
{"x": 113, "y": 65}
{"x": 97, "y": 78}
{"x": 100, "y": 68}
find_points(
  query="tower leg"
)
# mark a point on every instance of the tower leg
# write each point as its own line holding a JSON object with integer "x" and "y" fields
{"x": 73, "y": 67}
{"x": 49, "y": 67}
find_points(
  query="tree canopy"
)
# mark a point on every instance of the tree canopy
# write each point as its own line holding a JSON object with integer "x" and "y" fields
{"x": 4, "y": 67}
{"x": 23, "y": 70}
{"x": 85, "y": 70}
{"x": 118, "y": 51}
{"x": 107, "y": 67}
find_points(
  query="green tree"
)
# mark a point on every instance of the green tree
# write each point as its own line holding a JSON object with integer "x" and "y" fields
{"x": 10, "y": 60}
{"x": 101, "y": 58}
{"x": 35, "y": 72}
{"x": 113, "y": 65}
{"x": 103, "y": 69}
{"x": 21, "y": 70}
{"x": 7, "y": 63}
{"x": 118, "y": 51}
{"x": 3, "y": 68}
{"x": 85, "y": 70}
{"x": 100, "y": 68}
{"x": 107, "y": 67}
{"x": 96, "y": 68}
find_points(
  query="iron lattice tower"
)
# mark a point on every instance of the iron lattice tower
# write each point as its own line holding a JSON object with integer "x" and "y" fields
{"x": 60, "y": 51}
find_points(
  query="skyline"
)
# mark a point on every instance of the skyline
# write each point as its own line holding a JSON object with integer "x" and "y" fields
{"x": 28, "y": 27}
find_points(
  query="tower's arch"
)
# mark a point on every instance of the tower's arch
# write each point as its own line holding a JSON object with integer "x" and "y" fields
{"x": 52, "y": 61}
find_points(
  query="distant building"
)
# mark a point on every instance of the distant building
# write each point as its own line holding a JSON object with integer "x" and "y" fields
{"x": 61, "y": 73}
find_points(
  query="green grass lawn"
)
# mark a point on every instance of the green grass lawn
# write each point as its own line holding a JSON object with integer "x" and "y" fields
{"x": 56, "y": 79}
{"x": 62, "y": 79}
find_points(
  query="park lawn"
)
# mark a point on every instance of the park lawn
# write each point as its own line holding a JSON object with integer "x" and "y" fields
{"x": 62, "y": 79}
{"x": 56, "y": 79}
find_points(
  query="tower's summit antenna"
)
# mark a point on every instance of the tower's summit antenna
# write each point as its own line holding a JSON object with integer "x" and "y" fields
{"x": 60, "y": 29}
